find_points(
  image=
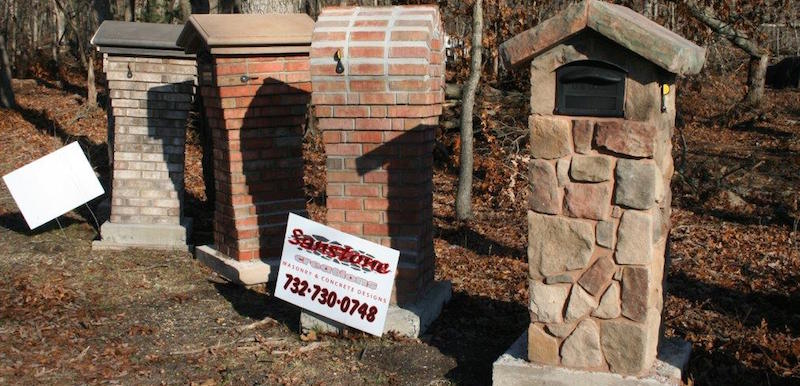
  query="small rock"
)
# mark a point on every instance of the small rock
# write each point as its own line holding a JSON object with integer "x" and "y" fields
{"x": 627, "y": 347}
{"x": 551, "y": 137}
{"x": 542, "y": 348}
{"x": 582, "y": 132}
{"x": 591, "y": 168}
{"x": 609, "y": 307}
{"x": 562, "y": 170}
{"x": 561, "y": 330}
{"x": 581, "y": 303}
{"x": 637, "y": 183}
{"x": 596, "y": 277}
{"x": 558, "y": 244}
{"x": 562, "y": 278}
{"x": 545, "y": 197}
{"x": 635, "y": 238}
{"x": 582, "y": 348}
{"x": 592, "y": 201}
{"x": 547, "y": 301}
{"x": 635, "y": 139}
{"x": 635, "y": 292}
{"x": 605, "y": 234}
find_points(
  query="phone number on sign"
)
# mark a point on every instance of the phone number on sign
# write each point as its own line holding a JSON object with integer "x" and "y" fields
{"x": 329, "y": 298}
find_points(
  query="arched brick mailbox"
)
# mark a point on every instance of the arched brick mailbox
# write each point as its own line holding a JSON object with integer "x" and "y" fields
{"x": 255, "y": 83}
{"x": 378, "y": 76}
{"x": 151, "y": 84}
{"x": 603, "y": 112}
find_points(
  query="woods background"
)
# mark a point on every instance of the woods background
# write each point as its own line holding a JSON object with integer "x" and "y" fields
{"x": 42, "y": 34}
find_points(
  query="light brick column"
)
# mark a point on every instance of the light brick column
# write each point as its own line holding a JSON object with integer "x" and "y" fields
{"x": 257, "y": 129}
{"x": 151, "y": 98}
{"x": 378, "y": 115}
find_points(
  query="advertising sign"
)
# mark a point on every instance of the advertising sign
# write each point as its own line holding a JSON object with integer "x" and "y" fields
{"x": 336, "y": 275}
{"x": 53, "y": 185}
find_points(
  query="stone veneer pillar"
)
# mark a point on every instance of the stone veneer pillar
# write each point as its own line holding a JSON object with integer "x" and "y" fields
{"x": 599, "y": 209}
{"x": 255, "y": 83}
{"x": 377, "y": 114}
{"x": 151, "y": 86}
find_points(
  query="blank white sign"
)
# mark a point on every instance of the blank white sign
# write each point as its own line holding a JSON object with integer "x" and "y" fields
{"x": 53, "y": 185}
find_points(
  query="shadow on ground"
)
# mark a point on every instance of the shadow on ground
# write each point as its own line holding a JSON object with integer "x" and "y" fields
{"x": 259, "y": 305}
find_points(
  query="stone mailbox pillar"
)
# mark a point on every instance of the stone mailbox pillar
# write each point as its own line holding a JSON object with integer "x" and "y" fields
{"x": 378, "y": 77}
{"x": 151, "y": 84}
{"x": 255, "y": 83}
{"x": 603, "y": 112}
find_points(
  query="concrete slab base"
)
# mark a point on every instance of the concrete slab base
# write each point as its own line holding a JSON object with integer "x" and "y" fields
{"x": 116, "y": 236}
{"x": 242, "y": 272}
{"x": 513, "y": 369}
{"x": 410, "y": 320}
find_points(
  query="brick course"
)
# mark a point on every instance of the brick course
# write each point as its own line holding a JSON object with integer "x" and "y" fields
{"x": 257, "y": 126}
{"x": 151, "y": 99}
{"x": 378, "y": 120}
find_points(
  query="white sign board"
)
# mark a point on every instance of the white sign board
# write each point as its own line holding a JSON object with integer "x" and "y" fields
{"x": 53, "y": 185}
{"x": 336, "y": 275}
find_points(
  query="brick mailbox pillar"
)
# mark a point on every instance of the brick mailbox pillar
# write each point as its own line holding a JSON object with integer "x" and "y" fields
{"x": 603, "y": 112}
{"x": 255, "y": 83}
{"x": 151, "y": 84}
{"x": 378, "y": 112}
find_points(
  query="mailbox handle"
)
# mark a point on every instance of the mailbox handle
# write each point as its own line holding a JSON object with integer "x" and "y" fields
{"x": 247, "y": 78}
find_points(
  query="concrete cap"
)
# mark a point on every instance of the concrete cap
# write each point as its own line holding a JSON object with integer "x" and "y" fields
{"x": 248, "y": 34}
{"x": 147, "y": 39}
{"x": 619, "y": 24}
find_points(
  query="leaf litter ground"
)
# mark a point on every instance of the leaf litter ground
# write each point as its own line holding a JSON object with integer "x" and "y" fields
{"x": 72, "y": 315}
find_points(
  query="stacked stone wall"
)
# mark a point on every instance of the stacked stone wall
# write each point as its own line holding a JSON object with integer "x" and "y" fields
{"x": 151, "y": 99}
{"x": 597, "y": 239}
{"x": 378, "y": 118}
{"x": 256, "y": 109}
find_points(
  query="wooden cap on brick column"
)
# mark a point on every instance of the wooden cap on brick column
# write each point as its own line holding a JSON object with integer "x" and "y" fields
{"x": 139, "y": 39}
{"x": 248, "y": 34}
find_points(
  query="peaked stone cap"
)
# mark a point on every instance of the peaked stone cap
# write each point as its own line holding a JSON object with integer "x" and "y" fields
{"x": 619, "y": 24}
{"x": 248, "y": 34}
{"x": 130, "y": 38}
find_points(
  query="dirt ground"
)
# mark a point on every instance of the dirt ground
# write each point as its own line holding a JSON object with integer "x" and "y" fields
{"x": 71, "y": 315}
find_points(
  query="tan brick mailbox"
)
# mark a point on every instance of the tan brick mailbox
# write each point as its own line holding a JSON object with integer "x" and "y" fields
{"x": 255, "y": 83}
{"x": 151, "y": 84}
{"x": 603, "y": 112}
{"x": 378, "y": 76}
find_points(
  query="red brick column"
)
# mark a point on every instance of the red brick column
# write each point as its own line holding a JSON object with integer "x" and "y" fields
{"x": 256, "y": 109}
{"x": 377, "y": 118}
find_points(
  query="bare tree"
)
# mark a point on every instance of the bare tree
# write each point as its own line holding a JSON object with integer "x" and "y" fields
{"x": 759, "y": 57}
{"x": 6, "y": 92}
{"x": 464, "y": 194}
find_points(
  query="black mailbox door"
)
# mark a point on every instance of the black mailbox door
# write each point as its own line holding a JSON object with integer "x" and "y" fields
{"x": 590, "y": 87}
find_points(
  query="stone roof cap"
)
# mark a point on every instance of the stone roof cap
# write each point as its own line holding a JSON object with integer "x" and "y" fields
{"x": 151, "y": 39}
{"x": 248, "y": 34}
{"x": 619, "y": 24}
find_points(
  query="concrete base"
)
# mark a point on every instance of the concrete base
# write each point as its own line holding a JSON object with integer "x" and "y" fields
{"x": 513, "y": 369}
{"x": 411, "y": 320}
{"x": 148, "y": 236}
{"x": 241, "y": 272}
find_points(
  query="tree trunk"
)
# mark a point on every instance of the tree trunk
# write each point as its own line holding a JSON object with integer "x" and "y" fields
{"x": 91, "y": 88}
{"x": 186, "y": 10}
{"x": 464, "y": 194}
{"x": 129, "y": 10}
{"x": 759, "y": 56}
{"x": 273, "y": 6}
{"x": 756, "y": 76}
{"x": 6, "y": 92}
